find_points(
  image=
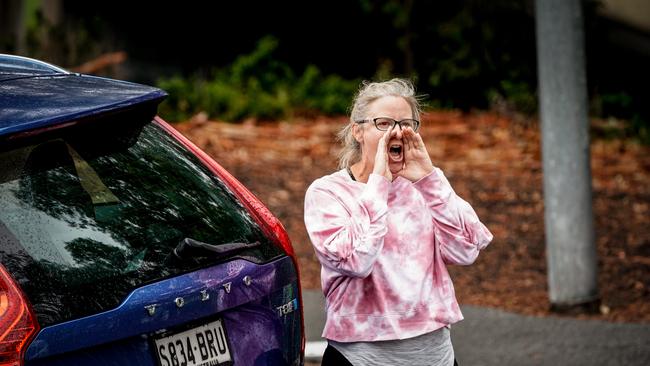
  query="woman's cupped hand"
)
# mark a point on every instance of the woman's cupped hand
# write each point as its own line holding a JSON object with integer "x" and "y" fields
{"x": 417, "y": 163}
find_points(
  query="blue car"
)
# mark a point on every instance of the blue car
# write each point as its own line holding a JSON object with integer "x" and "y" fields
{"x": 122, "y": 243}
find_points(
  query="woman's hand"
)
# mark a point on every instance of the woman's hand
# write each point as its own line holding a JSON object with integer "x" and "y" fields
{"x": 381, "y": 157}
{"x": 417, "y": 163}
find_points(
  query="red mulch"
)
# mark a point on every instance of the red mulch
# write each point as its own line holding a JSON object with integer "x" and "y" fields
{"x": 493, "y": 163}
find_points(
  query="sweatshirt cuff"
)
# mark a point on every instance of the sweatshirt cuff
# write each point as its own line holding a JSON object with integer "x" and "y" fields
{"x": 481, "y": 236}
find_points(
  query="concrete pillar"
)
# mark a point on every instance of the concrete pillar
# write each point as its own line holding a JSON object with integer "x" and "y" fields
{"x": 570, "y": 242}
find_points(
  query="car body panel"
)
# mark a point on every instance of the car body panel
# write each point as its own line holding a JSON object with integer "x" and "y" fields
{"x": 47, "y": 101}
{"x": 230, "y": 297}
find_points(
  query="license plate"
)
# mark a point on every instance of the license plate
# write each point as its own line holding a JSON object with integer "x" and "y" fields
{"x": 205, "y": 345}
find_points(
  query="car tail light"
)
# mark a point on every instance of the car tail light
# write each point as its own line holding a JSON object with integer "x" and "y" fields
{"x": 267, "y": 221}
{"x": 18, "y": 324}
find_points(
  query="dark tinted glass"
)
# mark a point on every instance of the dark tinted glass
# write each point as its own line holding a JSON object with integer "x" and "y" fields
{"x": 91, "y": 214}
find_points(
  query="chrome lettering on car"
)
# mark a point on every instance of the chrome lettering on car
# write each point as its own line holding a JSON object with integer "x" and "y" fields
{"x": 180, "y": 301}
{"x": 151, "y": 309}
{"x": 205, "y": 295}
{"x": 287, "y": 308}
{"x": 247, "y": 280}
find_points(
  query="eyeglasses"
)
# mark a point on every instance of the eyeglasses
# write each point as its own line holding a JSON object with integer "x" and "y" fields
{"x": 385, "y": 123}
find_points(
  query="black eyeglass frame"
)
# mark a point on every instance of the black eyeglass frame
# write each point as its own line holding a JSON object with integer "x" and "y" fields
{"x": 395, "y": 122}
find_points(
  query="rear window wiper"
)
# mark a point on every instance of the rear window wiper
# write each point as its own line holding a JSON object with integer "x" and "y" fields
{"x": 189, "y": 249}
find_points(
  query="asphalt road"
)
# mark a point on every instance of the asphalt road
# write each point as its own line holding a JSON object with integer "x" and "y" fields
{"x": 493, "y": 337}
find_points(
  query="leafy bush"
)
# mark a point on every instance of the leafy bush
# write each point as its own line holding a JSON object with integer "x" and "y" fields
{"x": 257, "y": 85}
{"x": 517, "y": 96}
{"x": 621, "y": 105}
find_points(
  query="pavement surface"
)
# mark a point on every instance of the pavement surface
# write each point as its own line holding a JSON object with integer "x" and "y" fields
{"x": 494, "y": 337}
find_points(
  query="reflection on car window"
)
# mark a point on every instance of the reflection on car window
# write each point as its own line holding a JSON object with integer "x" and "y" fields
{"x": 84, "y": 214}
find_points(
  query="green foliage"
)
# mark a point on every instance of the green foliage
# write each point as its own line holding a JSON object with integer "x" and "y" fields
{"x": 328, "y": 94}
{"x": 517, "y": 96}
{"x": 641, "y": 128}
{"x": 180, "y": 90}
{"x": 460, "y": 63}
{"x": 257, "y": 85}
{"x": 621, "y": 105}
{"x": 477, "y": 50}
{"x": 614, "y": 103}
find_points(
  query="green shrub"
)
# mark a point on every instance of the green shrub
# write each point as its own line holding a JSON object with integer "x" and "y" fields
{"x": 329, "y": 95}
{"x": 640, "y": 127}
{"x": 257, "y": 85}
{"x": 622, "y": 105}
{"x": 517, "y": 96}
{"x": 180, "y": 102}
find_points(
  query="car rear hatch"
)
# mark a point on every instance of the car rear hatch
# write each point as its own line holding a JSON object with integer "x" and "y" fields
{"x": 130, "y": 247}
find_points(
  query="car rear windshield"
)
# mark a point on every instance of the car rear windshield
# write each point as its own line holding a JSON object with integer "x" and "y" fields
{"x": 90, "y": 214}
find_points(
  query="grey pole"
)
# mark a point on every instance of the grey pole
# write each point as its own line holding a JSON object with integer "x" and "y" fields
{"x": 570, "y": 242}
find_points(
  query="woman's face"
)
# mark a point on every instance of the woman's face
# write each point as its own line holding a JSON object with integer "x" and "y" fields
{"x": 368, "y": 135}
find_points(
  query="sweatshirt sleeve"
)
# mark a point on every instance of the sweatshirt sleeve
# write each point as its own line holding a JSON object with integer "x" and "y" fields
{"x": 457, "y": 227}
{"x": 347, "y": 235}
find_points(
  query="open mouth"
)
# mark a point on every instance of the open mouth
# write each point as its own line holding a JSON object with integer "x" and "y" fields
{"x": 395, "y": 152}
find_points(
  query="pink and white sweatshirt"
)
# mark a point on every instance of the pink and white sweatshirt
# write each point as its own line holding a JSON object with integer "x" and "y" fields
{"x": 383, "y": 247}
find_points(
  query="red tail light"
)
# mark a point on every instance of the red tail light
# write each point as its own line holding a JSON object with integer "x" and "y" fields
{"x": 267, "y": 221}
{"x": 18, "y": 324}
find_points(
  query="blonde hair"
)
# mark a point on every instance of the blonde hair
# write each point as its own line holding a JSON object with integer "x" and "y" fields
{"x": 368, "y": 93}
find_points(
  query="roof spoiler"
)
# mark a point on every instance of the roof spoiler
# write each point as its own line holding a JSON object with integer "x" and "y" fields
{"x": 36, "y": 96}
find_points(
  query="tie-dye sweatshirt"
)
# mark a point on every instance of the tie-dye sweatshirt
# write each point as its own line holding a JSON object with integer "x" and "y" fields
{"x": 383, "y": 247}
